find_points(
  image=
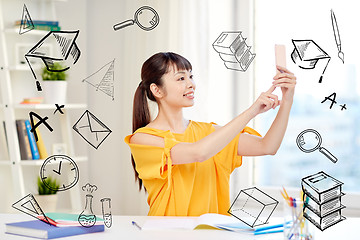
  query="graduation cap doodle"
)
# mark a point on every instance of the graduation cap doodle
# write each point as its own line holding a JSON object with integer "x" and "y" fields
{"x": 307, "y": 53}
{"x": 66, "y": 50}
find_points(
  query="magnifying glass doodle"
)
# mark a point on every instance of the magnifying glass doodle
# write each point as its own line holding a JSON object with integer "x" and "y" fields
{"x": 145, "y": 17}
{"x": 310, "y": 140}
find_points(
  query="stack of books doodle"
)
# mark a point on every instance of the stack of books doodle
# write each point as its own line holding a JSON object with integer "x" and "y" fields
{"x": 322, "y": 200}
{"x": 233, "y": 50}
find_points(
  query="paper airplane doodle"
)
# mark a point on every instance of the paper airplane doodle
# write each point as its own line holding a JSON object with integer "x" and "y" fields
{"x": 106, "y": 85}
{"x": 65, "y": 51}
{"x": 307, "y": 53}
{"x": 29, "y": 206}
{"x": 234, "y": 51}
{"x": 26, "y": 24}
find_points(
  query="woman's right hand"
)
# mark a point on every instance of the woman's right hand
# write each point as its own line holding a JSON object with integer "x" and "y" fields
{"x": 265, "y": 101}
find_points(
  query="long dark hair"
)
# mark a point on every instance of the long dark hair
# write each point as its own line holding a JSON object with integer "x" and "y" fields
{"x": 151, "y": 72}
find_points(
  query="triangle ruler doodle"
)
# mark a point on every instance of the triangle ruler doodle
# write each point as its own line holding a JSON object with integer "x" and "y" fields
{"x": 26, "y": 23}
{"x": 106, "y": 84}
{"x": 29, "y": 206}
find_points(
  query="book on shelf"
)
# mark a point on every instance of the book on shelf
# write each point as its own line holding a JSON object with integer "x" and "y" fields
{"x": 321, "y": 187}
{"x": 32, "y": 100}
{"x": 42, "y": 230}
{"x": 34, "y": 149}
{"x": 38, "y": 22}
{"x": 4, "y": 146}
{"x": 41, "y": 145}
{"x": 24, "y": 144}
{"x": 47, "y": 28}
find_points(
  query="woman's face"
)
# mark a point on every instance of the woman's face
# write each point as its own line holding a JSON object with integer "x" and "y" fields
{"x": 178, "y": 88}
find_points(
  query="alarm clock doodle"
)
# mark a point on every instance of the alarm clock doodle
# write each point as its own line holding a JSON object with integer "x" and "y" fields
{"x": 63, "y": 169}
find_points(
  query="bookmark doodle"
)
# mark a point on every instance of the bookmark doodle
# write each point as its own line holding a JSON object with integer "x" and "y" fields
{"x": 336, "y": 35}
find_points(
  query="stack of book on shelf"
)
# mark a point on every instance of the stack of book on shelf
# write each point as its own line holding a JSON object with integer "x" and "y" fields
{"x": 233, "y": 50}
{"x": 32, "y": 100}
{"x": 29, "y": 148}
{"x": 41, "y": 25}
{"x": 322, "y": 200}
{"x": 57, "y": 225}
{"x": 4, "y": 148}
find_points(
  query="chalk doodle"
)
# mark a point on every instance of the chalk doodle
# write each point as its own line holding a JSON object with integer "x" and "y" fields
{"x": 322, "y": 200}
{"x": 234, "y": 51}
{"x": 310, "y": 140}
{"x": 253, "y": 207}
{"x": 41, "y": 121}
{"x": 58, "y": 108}
{"x": 332, "y": 99}
{"x": 91, "y": 129}
{"x": 26, "y": 23}
{"x": 63, "y": 169}
{"x": 307, "y": 53}
{"x": 66, "y": 50}
{"x": 145, "y": 17}
{"x": 106, "y": 211}
{"x": 30, "y": 206}
{"x": 336, "y": 35}
{"x": 87, "y": 217}
{"x": 106, "y": 85}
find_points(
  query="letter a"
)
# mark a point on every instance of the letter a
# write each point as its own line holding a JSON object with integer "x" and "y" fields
{"x": 41, "y": 120}
{"x": 330, "y": 99}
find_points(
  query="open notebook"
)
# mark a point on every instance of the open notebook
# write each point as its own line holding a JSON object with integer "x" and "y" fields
{"x": 205, "y": 221}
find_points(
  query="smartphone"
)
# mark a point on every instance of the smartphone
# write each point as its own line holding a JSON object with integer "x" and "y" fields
{"x": 280, "y": 56}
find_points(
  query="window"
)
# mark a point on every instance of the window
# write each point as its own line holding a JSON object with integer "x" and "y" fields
{"x": 278, "y": 22}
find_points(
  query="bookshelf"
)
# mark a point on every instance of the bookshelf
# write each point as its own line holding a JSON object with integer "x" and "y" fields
{"x": 16, "y": 81}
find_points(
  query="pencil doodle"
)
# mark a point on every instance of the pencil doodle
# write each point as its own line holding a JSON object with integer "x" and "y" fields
{"x": 106, "y": 85}
{"x": 145, "y": 17}
{"x": 332, "y": 99}
{"x": 310, "y": 140}
{"x": 322, "y": 200}
{"x": 91, "y": 129}
{"x": 234, "y": 51}
{"x": 26, "y": 23}
{"x": 41, "y": 121}
{"x": 58, "y": 108}
{"x": 30, "y": 206}
{"x": 66, "y": 50}
{"x": 307, "y": 53}
{"x": 87, "y": 217}
{"x": 106, "y": 211}
{"x": 336, "y": 35}
{"x": 253, "y": 207}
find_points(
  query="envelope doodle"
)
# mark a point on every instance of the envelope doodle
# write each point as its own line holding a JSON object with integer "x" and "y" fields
{"x": 91, "y": 129}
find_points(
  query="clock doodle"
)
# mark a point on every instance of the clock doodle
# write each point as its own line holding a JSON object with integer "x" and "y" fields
{"x": 63, "y": 169}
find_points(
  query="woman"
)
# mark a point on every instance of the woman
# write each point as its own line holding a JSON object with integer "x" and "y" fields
{"x": 184, "y": 165}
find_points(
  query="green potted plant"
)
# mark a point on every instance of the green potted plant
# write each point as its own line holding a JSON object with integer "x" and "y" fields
{"x": 47, "y": 197}
{"x": 54, "y": 84}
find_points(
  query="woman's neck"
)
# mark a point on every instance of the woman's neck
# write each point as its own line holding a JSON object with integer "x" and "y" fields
{"x": 171, "y": 120}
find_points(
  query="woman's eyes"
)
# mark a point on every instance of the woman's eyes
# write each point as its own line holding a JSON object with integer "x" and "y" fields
{"x": 191, "y": 76}
{"x": 183, "y": 78}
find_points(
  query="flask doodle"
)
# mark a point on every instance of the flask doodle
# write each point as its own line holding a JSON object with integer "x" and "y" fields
{"x": 87, "y": 218}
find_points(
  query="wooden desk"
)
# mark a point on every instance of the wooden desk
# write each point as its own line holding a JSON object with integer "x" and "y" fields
{"x": 122, "y": 228}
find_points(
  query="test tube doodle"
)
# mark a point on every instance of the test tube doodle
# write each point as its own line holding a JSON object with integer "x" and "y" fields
{"x": 106, "y": 210}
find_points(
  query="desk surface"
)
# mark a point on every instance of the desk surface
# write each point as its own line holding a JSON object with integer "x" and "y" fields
{"x": 122, "y": 228}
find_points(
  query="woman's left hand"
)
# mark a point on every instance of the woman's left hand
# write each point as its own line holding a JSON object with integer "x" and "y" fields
{"x": 286, "y": 80}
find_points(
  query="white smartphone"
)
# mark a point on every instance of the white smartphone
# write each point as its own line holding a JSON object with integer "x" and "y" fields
{"x": 280, "y": 56}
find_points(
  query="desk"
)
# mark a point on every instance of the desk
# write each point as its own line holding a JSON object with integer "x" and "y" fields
{"x": 123, "y": 229}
